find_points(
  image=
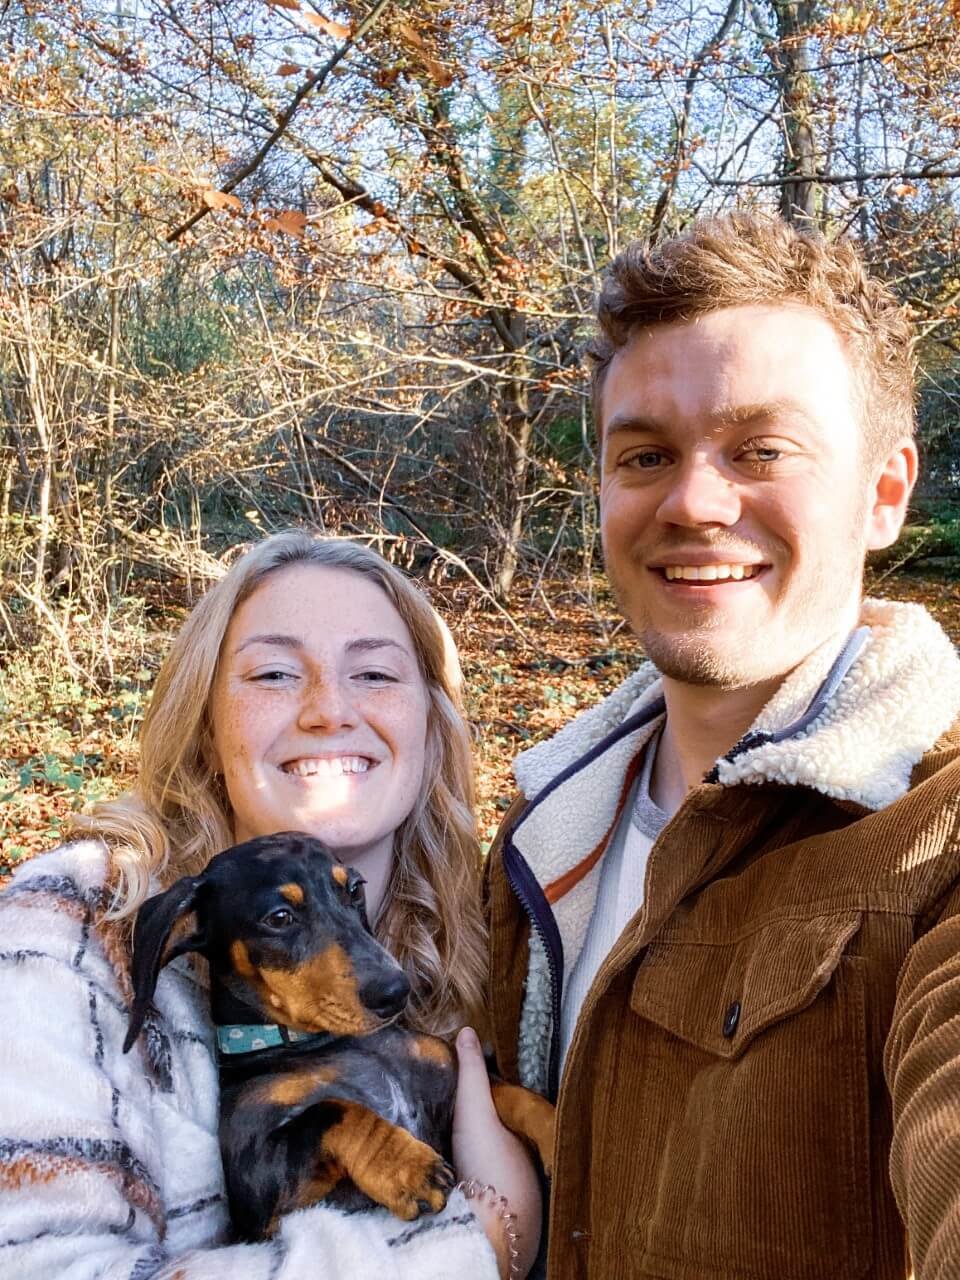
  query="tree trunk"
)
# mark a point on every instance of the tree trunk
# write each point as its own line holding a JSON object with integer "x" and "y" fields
{"x": 799, "y": 199}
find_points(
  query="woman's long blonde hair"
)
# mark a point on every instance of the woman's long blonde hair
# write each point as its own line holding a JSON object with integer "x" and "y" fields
{"x": 178, "y": 816}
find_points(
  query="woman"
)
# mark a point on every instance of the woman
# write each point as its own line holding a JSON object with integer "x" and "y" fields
{"x": 311, "y": 689}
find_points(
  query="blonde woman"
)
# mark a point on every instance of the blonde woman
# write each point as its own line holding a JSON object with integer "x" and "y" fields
{"x": 312, "y": 689}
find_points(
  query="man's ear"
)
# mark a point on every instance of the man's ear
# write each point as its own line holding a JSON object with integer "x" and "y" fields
{"x": 890, "y": 495}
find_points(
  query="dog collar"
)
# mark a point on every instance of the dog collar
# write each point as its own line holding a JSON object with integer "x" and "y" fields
{"x": 250, "y": 1037}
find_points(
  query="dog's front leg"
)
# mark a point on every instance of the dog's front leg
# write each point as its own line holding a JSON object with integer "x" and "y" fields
{"x": 387, "y": 1163}
{"x": 529, "y": 1115}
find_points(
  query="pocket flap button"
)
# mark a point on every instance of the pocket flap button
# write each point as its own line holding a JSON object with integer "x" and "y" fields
{"x": 731, "y": 1020}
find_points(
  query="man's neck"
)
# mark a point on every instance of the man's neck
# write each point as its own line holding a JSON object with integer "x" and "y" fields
{"x": 702, "y": 724}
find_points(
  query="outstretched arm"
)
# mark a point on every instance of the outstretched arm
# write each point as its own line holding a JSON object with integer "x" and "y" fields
{"x": 922, "y": 1065}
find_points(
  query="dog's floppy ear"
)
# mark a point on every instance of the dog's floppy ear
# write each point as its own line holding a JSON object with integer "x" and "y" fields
{"x": 156, "y": 920}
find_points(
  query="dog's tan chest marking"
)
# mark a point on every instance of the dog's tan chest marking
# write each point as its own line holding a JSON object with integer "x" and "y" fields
{"x": 430, "y": 1049}
{"x": 290, "y": 1089}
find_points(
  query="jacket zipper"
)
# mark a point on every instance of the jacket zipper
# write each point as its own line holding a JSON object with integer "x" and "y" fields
{"x": 533, "y": 900}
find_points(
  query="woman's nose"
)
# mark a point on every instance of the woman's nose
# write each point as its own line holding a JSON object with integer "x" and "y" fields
{"x": 700, "y": 494}
{"x": 327, "y": 704}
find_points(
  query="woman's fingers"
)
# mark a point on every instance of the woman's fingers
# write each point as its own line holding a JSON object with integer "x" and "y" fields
{"x": 474, "y": 1103}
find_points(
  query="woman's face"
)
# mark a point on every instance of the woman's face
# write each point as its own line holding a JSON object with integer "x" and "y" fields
{"x": 320, "y": 713}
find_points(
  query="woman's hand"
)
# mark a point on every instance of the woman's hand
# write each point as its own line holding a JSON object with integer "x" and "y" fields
{"x": 485, "y": 1150}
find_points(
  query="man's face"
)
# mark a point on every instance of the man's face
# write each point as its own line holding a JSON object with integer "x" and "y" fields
{"x": 737, "y": 503}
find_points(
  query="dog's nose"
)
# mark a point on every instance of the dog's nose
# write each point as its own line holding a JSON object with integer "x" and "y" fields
{"x": 386, "y": 994}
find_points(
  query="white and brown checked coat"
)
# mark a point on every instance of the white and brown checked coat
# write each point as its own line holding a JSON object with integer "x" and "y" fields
{"x": 109, "y": 1164}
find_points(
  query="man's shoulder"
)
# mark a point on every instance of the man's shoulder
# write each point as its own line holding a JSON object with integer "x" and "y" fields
{"x": 942, "y": 761}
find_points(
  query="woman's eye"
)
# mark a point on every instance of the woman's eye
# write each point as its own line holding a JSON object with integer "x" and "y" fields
{"x": 273, "y": 677}
{"x": 375, "y": 677}
{"x": 282, "y": 918}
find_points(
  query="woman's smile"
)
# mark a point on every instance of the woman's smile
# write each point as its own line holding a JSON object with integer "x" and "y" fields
{"x": 328, "y": 766}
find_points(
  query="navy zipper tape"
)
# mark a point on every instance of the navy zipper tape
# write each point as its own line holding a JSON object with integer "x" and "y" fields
{"x": 529, "y": 891}
{"x": 841, "y": 665}
{"x": 531, "y": 897}
{"x": 637, "y": 721}
{"x": 844, "y": 661}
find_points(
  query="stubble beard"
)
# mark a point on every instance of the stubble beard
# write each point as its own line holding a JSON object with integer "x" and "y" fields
{"x": 709, "y": 656}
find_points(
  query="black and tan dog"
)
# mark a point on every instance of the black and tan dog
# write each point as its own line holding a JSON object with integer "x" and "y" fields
{"x": 323, "y": 1095}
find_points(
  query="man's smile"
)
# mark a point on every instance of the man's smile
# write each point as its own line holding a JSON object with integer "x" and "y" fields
{"x": 709, "y": 572}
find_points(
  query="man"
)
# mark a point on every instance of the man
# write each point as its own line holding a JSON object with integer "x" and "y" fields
{"x": 725, "y": 911}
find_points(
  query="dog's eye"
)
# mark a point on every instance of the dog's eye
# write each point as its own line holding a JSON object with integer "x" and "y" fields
{"x": 355, "y": 889}
{"x": 282, "y": 918}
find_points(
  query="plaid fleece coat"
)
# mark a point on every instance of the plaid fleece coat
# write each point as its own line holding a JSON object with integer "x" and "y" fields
{"x": 764, "y": 1079}
{"x": 109, "y": 1163}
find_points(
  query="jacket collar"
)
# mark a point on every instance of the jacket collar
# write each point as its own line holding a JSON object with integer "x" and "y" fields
{"x": 851, "y": 721}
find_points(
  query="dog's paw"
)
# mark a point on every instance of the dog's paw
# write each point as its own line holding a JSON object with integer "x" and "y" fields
{"x": 418, "y": 1183}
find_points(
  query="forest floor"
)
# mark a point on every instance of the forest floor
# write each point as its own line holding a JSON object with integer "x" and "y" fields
{"x": 63, "y": 746}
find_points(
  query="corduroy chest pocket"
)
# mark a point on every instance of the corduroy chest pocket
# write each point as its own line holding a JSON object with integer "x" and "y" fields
{"x": 754, "y": 1104}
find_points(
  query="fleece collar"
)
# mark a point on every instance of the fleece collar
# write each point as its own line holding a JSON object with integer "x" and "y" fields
{"x": 899, "y": 694}
{"x": 852, "y": 721}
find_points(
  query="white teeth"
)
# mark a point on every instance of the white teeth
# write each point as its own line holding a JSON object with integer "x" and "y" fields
{"x": 311, "y": 767}
{"x": 709, "y": 572}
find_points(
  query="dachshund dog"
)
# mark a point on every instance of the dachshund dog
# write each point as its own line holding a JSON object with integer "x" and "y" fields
{"x": 324, "y": 1096}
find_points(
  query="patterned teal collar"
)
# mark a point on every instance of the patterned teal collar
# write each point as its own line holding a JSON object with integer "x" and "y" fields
{"x": 251, "y": 1037}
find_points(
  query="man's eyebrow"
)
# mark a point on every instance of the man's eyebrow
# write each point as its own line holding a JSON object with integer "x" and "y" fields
{"x": 723, "y": 415}
{"x": 736, "y": 414}
{"x": 632, "y": 422}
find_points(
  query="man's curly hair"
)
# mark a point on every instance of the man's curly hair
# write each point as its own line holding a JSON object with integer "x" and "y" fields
{"x": 740, "y": 259}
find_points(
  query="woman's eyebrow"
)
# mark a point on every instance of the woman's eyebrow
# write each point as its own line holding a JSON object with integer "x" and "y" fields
{"x": 280, "y": 641}
{"x": 365, "y": 643}
{"x": 362, "y": 644}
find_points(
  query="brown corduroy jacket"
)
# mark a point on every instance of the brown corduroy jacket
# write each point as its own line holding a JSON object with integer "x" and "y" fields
{"x": 764, "y": 1082}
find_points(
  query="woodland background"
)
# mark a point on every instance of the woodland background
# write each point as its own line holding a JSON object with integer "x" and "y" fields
{"x": 271, "y": 262}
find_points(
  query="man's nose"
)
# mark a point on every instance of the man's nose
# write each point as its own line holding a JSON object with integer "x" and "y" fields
{"x": 327, "y": 704}
{"x": 700, "y": 494}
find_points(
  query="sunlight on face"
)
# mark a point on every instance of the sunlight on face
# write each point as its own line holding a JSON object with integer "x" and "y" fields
{"x": 735, "y": 502}
{"x": 319, "y": 711}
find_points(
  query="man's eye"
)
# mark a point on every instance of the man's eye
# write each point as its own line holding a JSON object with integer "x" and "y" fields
{"x": 645, "y": 459}
{"x": 282, "y": 918}
{"x": 763, "y": 453}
